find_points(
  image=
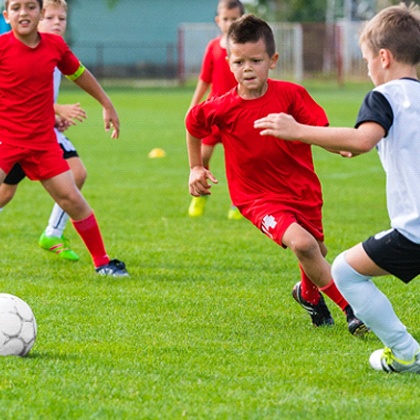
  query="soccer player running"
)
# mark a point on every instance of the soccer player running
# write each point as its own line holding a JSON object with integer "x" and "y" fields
{"x": 54, "y": 20}
{"x": 216, "y": 75}
{"x": 271, "y": 181}
{"x": 27, "y": 62}
{"x": 388, "y": 120}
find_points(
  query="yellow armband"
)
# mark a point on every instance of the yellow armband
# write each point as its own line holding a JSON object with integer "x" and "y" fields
{"x": 77, "y": 74}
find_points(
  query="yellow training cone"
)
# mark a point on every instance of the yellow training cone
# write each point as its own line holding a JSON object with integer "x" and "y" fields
{"x": 157, "y": 153}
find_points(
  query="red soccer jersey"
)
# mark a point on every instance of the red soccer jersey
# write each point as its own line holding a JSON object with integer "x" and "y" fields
{"x": 215, "y": 70}
{"x": 263, "y": 169}
{"x": 26, "y": 88}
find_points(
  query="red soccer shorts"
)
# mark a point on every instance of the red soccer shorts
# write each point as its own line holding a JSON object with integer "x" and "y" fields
{"x": 37, "y": 164}
{"x": 274, "y": 221}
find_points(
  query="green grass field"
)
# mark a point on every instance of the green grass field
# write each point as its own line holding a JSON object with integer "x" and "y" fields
{"x": 205, "y": 327}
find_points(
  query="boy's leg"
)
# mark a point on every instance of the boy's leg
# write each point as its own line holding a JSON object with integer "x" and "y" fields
{"x": 7, "y": 192}
{"x": 9, "y": 184}
{"x": 317, "y": 271}
{"x": 307, "y": 295}
{"x": 52, "y": 239}
{"x": 58, "y": 218}
{"x": 66, "y": 194}
{"x": 57, "y": 222}
{"x": 308, "y": 252}
{"x": 374, "y": 308}
{"x": 309, "y": 291}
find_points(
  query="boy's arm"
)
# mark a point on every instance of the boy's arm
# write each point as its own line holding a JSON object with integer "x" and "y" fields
{"x": 199, "y": 175}
{"x": 354, "y": 141}
{"x": 91, "y": 86}
{"x": 199, "y": 92}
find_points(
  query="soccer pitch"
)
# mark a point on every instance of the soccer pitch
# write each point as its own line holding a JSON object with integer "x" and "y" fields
{"x": 205, "y": 327}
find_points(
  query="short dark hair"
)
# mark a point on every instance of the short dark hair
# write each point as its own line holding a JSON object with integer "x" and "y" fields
{"x": 250, "y": 28}
{"x": 6, "y": 4}
{"x": 231, "y": 4}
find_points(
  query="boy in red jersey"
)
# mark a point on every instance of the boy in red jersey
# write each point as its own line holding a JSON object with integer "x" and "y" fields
{"x": 271, "y": 181}
{"x": 54, "y": 20}
{"x": 27, "y": 62}
{"x": 216, "y": 75}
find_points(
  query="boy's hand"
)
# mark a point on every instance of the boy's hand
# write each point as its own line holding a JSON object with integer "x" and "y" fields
{"x": 61, "y": 124}
{"x": 111, "y": 120}
{"x": 70, "y": 113}
{"x": 281, "y": 125}
{"x": 198, "y": 181}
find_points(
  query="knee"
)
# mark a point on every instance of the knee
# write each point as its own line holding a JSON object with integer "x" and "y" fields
{"x": 338, "y": 269}
{"x": 344, "y": 274}
{"x": 305, "y": 247}
{"x": 71, "y": 199}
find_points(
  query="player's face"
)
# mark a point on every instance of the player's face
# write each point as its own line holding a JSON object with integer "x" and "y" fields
{"x": 23, "y": 16}
{"x": 54, "y": 20}
{"x": 225, "y": 17}
{"x": 250, "y": 64}
{"x": 374, "y": 65}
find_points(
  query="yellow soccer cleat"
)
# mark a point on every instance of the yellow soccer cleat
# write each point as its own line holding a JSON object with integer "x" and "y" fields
{"x": 197, "y": 205}
{"x": 234, "y": 214}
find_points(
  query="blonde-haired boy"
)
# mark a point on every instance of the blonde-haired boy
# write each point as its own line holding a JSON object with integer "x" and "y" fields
{"x": 389, "y": 121}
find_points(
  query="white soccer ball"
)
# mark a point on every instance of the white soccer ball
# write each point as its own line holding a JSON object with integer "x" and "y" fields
{"x": 17, "y": 326}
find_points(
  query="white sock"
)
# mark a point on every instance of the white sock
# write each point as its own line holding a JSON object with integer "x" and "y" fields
{"x": 373, "y": 308}
{"x": 57, "y": 222}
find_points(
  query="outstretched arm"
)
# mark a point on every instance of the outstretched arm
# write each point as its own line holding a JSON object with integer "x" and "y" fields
{"x": 199, "y": 175}
{"x": 89, "y": 84}
{"x": 351, "y": 140}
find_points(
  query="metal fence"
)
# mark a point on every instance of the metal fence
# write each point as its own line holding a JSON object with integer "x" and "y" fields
{"x": 306, "y": 50}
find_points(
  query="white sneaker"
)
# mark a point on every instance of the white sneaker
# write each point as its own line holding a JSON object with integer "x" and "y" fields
{"x": 384, "y": 360}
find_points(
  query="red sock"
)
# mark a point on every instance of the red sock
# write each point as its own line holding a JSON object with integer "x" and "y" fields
{"x": 88, "y": 230}
{"x": 308, "y": 290}
{"x": 334, "y": 294}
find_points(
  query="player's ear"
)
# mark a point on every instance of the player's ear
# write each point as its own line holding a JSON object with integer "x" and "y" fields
{"x": 6, "y": 16}
{"x": 273, "y": 60}
{"x": 386, "y": 57}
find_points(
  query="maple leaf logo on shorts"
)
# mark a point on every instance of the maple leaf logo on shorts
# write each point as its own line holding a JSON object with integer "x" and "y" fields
{"x": 269, "y": 222}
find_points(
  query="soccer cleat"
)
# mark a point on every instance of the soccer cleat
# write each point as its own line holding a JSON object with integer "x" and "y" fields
{"x": 319, "y": 312}
{"x": 197, "y": 205}
{"x": 384, "y": 360}
{"x": 114, "y": 268}
{"x": 59, "y": 246}
{"x": 234, "y": 213}
{"x": 355, "y": 325}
